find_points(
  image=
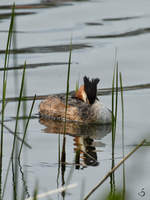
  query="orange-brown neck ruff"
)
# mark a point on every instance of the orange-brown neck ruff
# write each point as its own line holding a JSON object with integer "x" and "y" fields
{"x": 80, "y": 94}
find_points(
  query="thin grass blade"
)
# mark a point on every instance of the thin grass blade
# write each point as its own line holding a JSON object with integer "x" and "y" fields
{"x": 25, "y": 131}
{"x": 18, "y": 109}
{"x": 122, "y": 107}
{"x": 4, "y": 93}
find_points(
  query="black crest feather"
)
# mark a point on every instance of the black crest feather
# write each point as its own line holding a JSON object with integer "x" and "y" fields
{"x": 90, "y": 87}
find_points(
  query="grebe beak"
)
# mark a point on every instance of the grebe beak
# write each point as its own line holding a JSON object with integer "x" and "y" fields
{"x": 80, "y": 94}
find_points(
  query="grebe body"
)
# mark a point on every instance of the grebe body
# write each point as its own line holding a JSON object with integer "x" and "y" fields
{"x": 83, "y": 106}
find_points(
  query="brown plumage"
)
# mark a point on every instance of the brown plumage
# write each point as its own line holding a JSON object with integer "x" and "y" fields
{"x": 83, "y": 106}
{"x": 54, "y": 107}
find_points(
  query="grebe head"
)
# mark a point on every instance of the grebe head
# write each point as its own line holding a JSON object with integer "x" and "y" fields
{"x": 80, "y": 94}
{"x": 90, "y": 88}
{"x": 88, "y": 91}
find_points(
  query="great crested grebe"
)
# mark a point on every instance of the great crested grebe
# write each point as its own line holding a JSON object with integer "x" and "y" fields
{"x": 83, "y": 106}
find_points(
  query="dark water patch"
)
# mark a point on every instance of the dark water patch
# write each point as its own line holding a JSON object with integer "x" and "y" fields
{"x": 32, "y": 6}
{"x": 42, "y": 4}
{"x": 13, "y": 118}
{"x": 8, "y": 15}
{"x": 6, "y": 31}
{"x": 47, "y": 49}
{"x": 35, "y": 65}
{"x": 94, "y": 24}
{"x": 28, "y": 98}
{"x": 100, "y": 92}
{"x": 136, "y": 32}
{"x": 120, "y": 18}
{"x": 34, "y": 116}
{"x": 108, "y": 91}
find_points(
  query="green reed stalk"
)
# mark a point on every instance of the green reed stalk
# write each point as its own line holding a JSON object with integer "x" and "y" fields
{"x": 15, "y": 146}
{"x": 114, "y": 108}
{"x": 114, "y": 120}
{"x": 16, "y": 84}
{"x": 59, "y": 160}
{"x": 112, "y": 104}
{"x": 24, "y": 123}
{"x": 63, "y": 153}
{"x": 4, "y": 92}
{"x": 112, "y": 178}
{"x": 18, "y": 109}
{"x": 67, "y": 91}
{"x": 15, "y": 132}
{"x": 25, "y": 131}
{"x": 66, "y": 105}
{"x": 116, "y": 102}
{"x": 122, "y": 106}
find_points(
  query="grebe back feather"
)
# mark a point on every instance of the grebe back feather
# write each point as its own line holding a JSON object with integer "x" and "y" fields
{"x": 83, "y": 106}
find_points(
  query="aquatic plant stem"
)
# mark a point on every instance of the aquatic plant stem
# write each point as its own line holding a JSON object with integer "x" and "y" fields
{"x": 116, "y": 102}
{"x": 26, "y": 126}
{"x": 114, "y": 121}
{"x": 67, "y": 91}
{"x": 122, "y": 106}
{"x": 6, "y": 62}
{"x": 14, "y": 142}
{"x": 18, "y": 109}
{"x": 112, "y": 170}
{"x": 63, "y": 154}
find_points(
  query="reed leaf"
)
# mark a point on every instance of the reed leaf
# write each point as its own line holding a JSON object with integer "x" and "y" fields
{"x": 122, "y": 108}
{"x": 6, "y": 62}
{"x": 18, "y": 109}
{"x": 25, "y": 131}
{"x": 67, "y": 90}
{"x": 63, "y": 155}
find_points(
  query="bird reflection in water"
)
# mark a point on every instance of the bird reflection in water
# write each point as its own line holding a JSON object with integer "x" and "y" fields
{"x": 84, "y": 139}
{"x": 86, "y": 151}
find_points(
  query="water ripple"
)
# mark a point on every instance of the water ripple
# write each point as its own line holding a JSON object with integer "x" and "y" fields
{"x": 121, "y": 18}
{"x": 136, "y": 32}
{"x": 47, "y": 49}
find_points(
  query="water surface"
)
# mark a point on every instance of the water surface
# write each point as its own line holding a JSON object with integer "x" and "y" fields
{"x": 43, "y": 31}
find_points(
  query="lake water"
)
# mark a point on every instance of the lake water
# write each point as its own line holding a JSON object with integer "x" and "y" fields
{"x": 98, "y": 29}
